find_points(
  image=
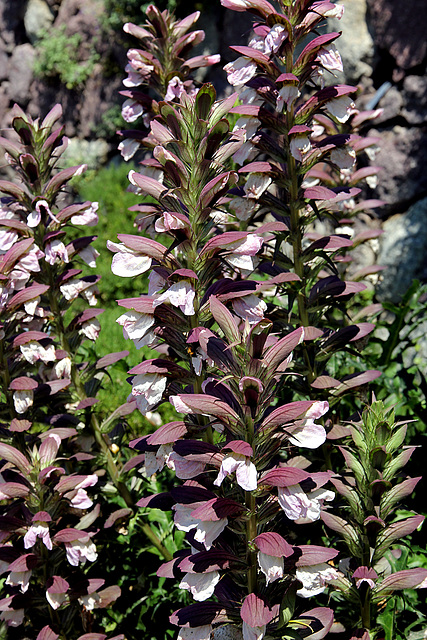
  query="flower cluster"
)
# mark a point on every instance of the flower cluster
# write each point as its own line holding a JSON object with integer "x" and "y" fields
{"x": 166, "y": 70}
{"x": 47, "y": 533}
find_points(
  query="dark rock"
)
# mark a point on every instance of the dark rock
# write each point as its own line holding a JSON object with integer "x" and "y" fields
{"x": 21, "y": 73}
{"x": 356, "y": 46}
{"x": 391, "y": 104}
{"x": 403, "y": 248}
{"x": 415, "y": 99}
{"x": 403, "y": 156}
{"x": 4, "y": 65}
{"x": 12, "y": 22}
{"x": 400, "y": 29}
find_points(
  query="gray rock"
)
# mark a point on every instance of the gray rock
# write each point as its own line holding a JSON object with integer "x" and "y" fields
{"x": 391, "y": 104}
{"x": 38, "y": 17}
{"x": 21, "y": 72}
{"x": 355, "y": 45}
{"x": 400, "y": 29}
{"x": 4, "y": 65}
{"x": 90, "y": 152}
{"x": 403, "y": 247}
{"x": 11, "y": 16}
{"x": 415, "y": 99}
{"x": 403, "y": 156}
{"x": 227, "y": 632}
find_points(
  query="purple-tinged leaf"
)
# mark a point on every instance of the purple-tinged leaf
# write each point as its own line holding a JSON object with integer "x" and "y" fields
{"x": 138, "y": 32}
{"x": 117, "y": 515}
{"x": 396, "y": 494}
{"x": 313, "y": 554}
{"x": 23, "y": 383}
{"x": 255, "y": 612}
{"x": 365, "y": 328}
{"x": 200, "y": 614}
{"x": 240, "y": 446}
{"x": 407, "y": 579}
{"x": 320, "y": 617}
{"x": 396, "y": 531}
{"x": 111, "y": 358}
{"x": 213, "y": 560}
{"x": 398, "y": 461}
{"x": 253, "y": 54}
{"x": 341, "y": 526}
{"x": 273, "y": 544}
{"x": 29, "y": 293}
{"x": 11, "y": 189}
{"x": 329, "y": 243}
{"x": 282, "y": 349}
{"x": 143, "y": 304}
{"x": 325, "y": 382}
{"x": 216, "y": 188}
{"x": 13, "y": 490}
{"x": 19, "y": 426}
{"x": 316, "y": 44}
{"x": 69, "y": 535}
{"x": 319, "y": 193}
{"x": 15, "y": 253}
{"x": 287, "y": 413}
{"x": 54, "y": 114}
{"x": 150, "y": 186}
{"x": 167, "y": 433}
{"x": 163, "y": 501}
{"x": 364, "y": 172}
{"x": 86, "y": 403}
{"x": 92, "y": 636}
{"x": 283, "y": 477}
{"x": 225, "y": 319}
{"x": 62, "y": 177}
{"x": 12, "y": 455}
{"x": 356, "y": 380}
{"x": 145, "y": 246}
{"x": 24, "y": 563}
{"x": 28, "y": 336}
{"x": 202, "y": 404}
{"x": 47, "y": 634}
{"x": 216, "y": 509}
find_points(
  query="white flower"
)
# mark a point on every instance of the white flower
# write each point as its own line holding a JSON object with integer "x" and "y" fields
{"x": 200, "y": 585}
{"x": 314, "y": 578}
{"x": 147, "y": 390}
{"x": 301, "y": 506}
{"x": 180, "y": 294}
{"x": 340, "y": 108}
{"x": 246, "y": 473}
{"x": 23, "y": 399}
{"x": 271, "y": 566}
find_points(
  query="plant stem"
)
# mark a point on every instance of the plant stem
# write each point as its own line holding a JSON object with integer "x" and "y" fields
{"x": 95, "y": 426}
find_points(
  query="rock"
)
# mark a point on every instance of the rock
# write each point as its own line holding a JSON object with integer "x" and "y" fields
{"x": 227, "y": 632}
{"x": 355, "y": 45}
{"x": 391, "y": 103}
{"x": 403, "y": 156}
{"x": 415, "y": 99}
{"x": 91, "y": 152}
{"x": 4, "y": 65}
{"x": 38, "y": 17}
{"x": 400, "y": 29}
{"x": 11, "y": 17}
{"x": 403, "y": 247}
{"x": 21, "y": 72}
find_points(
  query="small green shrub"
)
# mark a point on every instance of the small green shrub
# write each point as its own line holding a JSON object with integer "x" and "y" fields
{"x": 59, "y": 55}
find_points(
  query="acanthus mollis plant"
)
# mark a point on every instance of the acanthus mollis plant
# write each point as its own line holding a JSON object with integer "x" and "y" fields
{"x": 292, "y": 125}
{"x": 223, "y": 368}
{"x": 162, "y": 67}
{"x": 42, "y": 371}
{"x": 372, "y": 487}
{"x": 47, "y": 537}
{"x": 46, "y": 387}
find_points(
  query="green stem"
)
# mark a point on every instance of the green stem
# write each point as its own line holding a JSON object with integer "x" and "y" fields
{"x": 95, "y": 426}
{"x": 251, "y": 524}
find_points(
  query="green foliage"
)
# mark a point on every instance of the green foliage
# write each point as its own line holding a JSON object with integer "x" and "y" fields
{"x": 118, "y": 12}
{"x": 59, "y": 55}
